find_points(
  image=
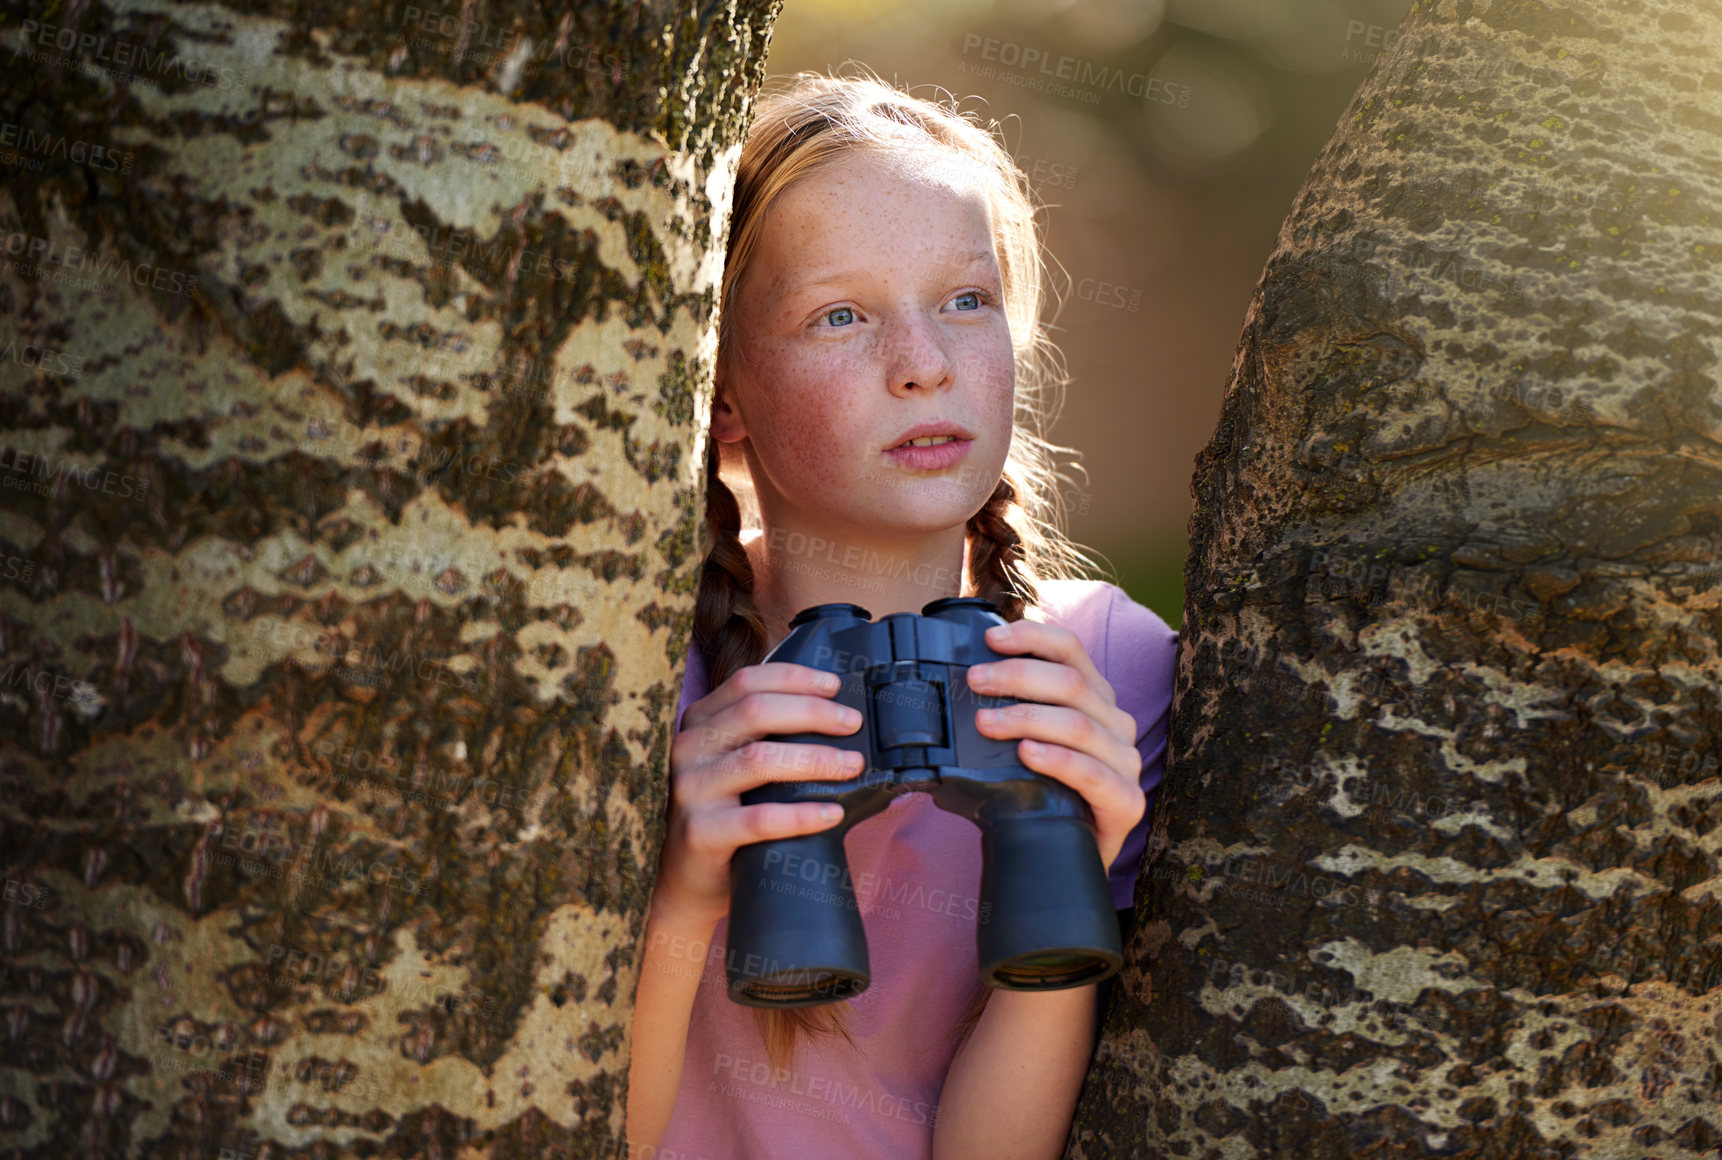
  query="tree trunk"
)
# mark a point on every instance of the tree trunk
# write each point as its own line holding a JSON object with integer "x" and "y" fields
{"x": 1435, "y": 871}
{"x": 357, "y": 366}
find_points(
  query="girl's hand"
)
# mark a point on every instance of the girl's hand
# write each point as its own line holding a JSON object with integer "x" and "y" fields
{"x": 1075, "y": 733}
{"x": 719, "y": 754}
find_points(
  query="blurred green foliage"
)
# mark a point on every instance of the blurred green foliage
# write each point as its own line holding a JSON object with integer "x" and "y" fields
{"x": 1151, "y": 570}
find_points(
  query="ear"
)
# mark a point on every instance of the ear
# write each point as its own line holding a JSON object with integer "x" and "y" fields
{"x": 727, "y": 425}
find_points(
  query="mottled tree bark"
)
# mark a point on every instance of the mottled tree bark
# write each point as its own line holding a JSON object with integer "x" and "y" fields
{"x": 1435, "y": 871}
{"x": 355, "y": 390}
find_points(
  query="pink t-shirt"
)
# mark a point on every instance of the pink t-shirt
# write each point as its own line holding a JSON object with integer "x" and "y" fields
{"x": 916, "y": 871}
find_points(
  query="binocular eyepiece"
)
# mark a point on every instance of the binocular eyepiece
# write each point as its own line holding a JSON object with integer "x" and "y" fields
{"x": 1046, "y": 920}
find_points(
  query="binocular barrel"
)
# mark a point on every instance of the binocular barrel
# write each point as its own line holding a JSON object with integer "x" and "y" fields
{"x": 1045, "y": 922}
{"x": 794, "y": 942}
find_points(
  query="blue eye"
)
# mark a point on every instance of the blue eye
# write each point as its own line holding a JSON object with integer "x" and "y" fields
{"x": 969, "y": 295}
{"x": 848, "y": 312}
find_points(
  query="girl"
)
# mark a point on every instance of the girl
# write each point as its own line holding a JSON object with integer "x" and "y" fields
{"x": 882, "y": 285}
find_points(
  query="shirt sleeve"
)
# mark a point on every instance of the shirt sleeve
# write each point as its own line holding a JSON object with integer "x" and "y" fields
{"x": 1141, "y": 653}
{"x": 693, "y": 684}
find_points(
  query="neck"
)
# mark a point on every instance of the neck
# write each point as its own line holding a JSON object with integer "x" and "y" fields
{"x": 793, "y": 570}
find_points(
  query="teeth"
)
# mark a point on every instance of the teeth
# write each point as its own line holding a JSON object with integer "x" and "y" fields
{"x": 930, "y": 441}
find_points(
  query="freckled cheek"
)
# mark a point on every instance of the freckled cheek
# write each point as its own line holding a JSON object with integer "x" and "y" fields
{"x": 991, "y": 374}
{"x": 816, "y": 420}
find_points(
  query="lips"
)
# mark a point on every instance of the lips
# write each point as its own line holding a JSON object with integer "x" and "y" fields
{"x": 931, "y": 428}
{"x": 933, "y": 458}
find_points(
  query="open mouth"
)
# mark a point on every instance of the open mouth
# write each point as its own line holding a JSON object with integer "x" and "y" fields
{"x": 930, "y": 453}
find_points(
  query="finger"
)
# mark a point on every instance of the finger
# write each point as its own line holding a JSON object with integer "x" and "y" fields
{"x": 1056, "y": 725}
{"x": 721, "y": 831}
{"x": 1097, "y": 782}
{"x": 761, "y": 714}
{"x": 1053, "y": 642}
{"x": 768, "y": 677}
{"x": 760, "y": 762}
{"x": 1052, "y": 683}
{"x": 725, "y": 776}
{"x": 1118, "y": 803}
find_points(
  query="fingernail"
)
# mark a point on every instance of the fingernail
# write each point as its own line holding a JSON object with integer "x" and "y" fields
{"x": 830, "y": 682}
{"x": 999, "y": 632}
{"x": 851, "y": 716}
{"x": 1032, "y": 747}
{"x": 829, "y": 811}
{"x": 988, "y": 716}
{"x": 981, "y": 674}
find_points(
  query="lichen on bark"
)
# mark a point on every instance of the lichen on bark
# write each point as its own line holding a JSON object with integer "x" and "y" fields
{"x": 1435, "y": 867}
{"x": 349, "y": 829}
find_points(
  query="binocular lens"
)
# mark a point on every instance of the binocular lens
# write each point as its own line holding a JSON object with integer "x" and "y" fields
{"x": 1053, "y": 970}
{"x": 787, "y": 990}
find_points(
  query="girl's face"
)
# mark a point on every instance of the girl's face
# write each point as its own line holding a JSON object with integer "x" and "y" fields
{"x": 872, "y": 304}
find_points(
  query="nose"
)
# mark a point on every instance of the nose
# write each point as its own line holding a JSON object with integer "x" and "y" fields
{"x": 917, "y": 357}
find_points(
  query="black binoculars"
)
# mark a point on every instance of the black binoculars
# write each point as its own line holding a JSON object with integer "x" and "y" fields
{"x": 1046, "y": 918}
